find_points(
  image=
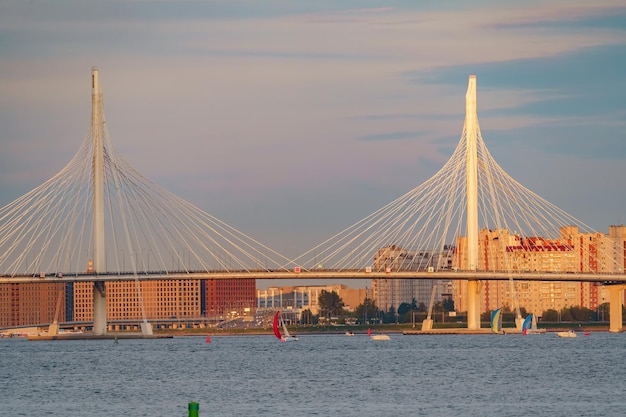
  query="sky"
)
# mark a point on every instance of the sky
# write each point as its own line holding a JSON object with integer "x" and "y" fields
{"x": 292, "y": 120}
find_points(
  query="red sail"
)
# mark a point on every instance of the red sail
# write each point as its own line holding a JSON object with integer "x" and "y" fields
{"x": 276, "y": 331}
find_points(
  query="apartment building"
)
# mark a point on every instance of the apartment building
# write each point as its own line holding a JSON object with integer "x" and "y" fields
{"x": 31, "y": 304}
{"x": 572, "y": 251}
{"x": 306, "y": 297}
{"x": 390, "y": 293}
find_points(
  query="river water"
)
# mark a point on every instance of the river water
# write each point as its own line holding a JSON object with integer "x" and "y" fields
{"x": 321, "y": 375}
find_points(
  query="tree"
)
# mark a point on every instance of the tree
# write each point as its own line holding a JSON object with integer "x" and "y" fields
{"x": 603, "y": 312}
{"x": 404, "y": 308}
{"x": 366, "y": 311}
{"x": 581, "y": 313}
{"x": 448, "y": 304}
{"x": 575, "y": 313}
{"x": 330, "y": 304}
{"x": 550, "y": 315}
{"x": 306, "y": 317}
{"x": 566, "y": 314}
{"x": 405, "y": 311}
{"x": 390, "y": 316}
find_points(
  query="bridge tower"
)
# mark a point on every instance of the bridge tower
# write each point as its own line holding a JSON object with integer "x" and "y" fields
{"x": 97, "y": 137}
{"x": 471, "y": 154}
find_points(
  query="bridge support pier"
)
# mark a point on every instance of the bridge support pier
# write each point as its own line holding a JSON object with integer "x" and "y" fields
{"x": 146, "y": 328}
{"x": 616, "y": 301}
{"x": 427, "y": 325}
{"x": 99, "y": 308}
{"x": 473, "y": 305}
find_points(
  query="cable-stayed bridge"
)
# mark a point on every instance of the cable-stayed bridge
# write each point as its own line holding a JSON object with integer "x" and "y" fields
{"x": 100, "y": 220}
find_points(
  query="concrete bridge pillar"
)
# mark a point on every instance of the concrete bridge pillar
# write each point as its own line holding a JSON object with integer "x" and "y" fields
{"x": 473, "y": 304}
{"x": 427, "y": 325}
{"x": 99, "y": 308}
{"x": 616, "y": 300}
{"x": 97, "y": 137}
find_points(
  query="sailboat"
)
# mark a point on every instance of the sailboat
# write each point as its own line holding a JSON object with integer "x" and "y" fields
{"x": 284, "y": 336}
{"x": 496, "y": 321}
{"x": 530, "y": 325}
{"x": 527, "y": 324}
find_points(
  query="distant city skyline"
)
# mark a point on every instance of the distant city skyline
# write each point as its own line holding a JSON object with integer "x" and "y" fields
{"x": 291, "y": 121}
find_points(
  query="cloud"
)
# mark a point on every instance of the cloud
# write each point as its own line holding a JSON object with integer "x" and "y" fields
{"x": 390, "y": 136}
{"x": 237, "y": 105}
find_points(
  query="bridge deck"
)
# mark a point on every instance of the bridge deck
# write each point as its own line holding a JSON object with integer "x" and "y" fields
{"x": 603, "y": 278}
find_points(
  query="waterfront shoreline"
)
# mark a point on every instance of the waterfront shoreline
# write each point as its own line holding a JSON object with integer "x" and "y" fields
{"x": 378, "y": 329}
{"x": 307, "y": 330}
